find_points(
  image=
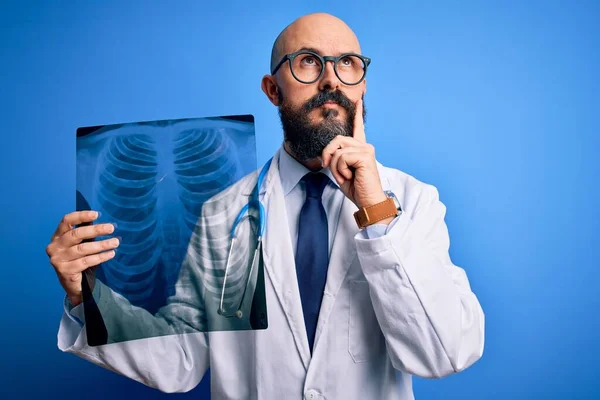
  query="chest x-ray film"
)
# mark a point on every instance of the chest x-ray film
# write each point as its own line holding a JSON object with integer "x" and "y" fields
{"x": 174, "y": 189}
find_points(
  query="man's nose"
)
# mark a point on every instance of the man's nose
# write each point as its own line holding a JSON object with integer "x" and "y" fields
{"x": 329, "y": 80}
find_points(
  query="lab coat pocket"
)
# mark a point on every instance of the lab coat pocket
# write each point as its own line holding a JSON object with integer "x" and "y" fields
{"x": 365, "y": 340}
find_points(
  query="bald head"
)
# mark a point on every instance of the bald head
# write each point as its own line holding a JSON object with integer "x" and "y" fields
{"x": 318, "y": 31}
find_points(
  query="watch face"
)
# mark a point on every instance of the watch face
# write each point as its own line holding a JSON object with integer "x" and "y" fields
{"x": 391, "y": 195}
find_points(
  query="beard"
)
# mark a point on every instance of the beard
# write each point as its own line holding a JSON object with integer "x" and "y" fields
{"x": 306, "y": 140}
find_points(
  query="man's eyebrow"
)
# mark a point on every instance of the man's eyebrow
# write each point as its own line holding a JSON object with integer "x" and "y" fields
{"x": 304, "y": 48}
{"x": 309, "y": 49}
{"x": 319, "y": 52}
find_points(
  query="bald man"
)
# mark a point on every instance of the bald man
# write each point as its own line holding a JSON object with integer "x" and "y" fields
{"x": 361, "y": 292}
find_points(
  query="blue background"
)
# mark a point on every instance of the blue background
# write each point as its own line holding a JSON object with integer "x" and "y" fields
{"x": 495, "y": 103}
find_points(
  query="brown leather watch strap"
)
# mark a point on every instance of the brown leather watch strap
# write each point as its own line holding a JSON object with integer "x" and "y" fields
{"x": 372, "y": 214}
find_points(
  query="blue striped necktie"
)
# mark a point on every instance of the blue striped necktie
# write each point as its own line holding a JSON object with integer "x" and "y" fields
{"x": 312, "y": 252}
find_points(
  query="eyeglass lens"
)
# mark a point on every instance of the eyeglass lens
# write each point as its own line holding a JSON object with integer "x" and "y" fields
{"x": 307, "y": 68}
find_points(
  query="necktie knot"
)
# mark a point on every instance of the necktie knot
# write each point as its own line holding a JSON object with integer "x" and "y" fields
{"x": 315, "y": 184}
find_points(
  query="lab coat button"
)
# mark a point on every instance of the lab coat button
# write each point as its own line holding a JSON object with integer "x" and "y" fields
{"x": 310, "y": 395}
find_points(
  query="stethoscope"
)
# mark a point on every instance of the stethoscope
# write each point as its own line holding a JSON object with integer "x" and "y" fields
{"x": 262, "y": 218}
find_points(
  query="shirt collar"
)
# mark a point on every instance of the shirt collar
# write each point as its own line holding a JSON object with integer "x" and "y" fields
{"x": 291, "y": 172}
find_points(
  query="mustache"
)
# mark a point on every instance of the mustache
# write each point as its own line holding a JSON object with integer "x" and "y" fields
{"x": 334, "y": 96}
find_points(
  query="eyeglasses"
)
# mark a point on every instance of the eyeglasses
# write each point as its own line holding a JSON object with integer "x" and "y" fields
{"x": 307, "y": 66}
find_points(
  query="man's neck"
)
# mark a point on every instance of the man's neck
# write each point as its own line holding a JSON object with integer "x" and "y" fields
{"x": 314, "y": 164}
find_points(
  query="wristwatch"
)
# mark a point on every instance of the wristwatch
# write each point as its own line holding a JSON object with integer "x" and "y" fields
{"x": 370, "y": 215}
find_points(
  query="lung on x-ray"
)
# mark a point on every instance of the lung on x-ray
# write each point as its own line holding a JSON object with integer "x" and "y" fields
{"x": 151, "y": 179}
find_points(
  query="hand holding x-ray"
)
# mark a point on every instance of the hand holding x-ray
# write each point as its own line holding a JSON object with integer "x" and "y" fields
{"x": 73, "y": 250}
{"x": 159, "y": 189}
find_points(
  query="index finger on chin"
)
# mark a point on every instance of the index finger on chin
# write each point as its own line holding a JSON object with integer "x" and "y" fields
{"x": 359, "y": 125}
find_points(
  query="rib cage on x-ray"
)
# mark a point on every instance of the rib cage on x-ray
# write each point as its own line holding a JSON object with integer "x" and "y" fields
{"x": 153, "y": 185}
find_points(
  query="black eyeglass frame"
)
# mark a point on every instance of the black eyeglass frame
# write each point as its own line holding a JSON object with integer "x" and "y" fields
{"x": 290, "y": 57}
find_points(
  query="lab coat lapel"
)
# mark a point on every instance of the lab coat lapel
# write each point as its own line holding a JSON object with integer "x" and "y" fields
{"x": 280, "y": 262}
{"x": 343, "y": 253}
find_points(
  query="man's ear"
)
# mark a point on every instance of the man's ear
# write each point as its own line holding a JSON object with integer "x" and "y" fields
{"x": 269, "y": 87}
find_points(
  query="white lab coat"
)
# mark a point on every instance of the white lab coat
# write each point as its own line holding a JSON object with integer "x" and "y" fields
{"x": 394, "y": 306}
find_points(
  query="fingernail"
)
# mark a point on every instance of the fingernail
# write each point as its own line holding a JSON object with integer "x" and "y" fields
{"x": 98, "y": 214}
{"x": 110, "y": 228}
